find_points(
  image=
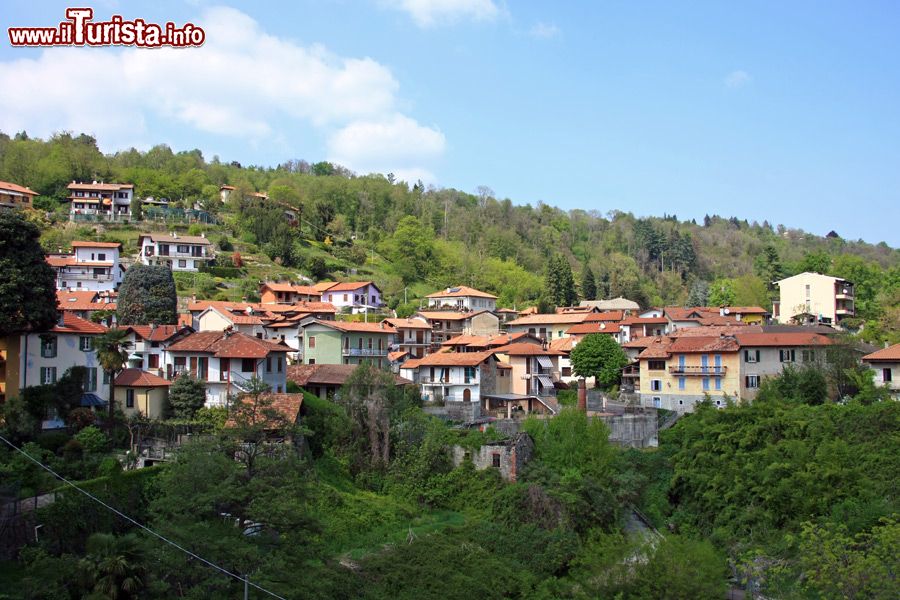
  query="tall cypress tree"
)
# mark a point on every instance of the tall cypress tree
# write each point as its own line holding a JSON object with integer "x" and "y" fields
{"x": 588, "y": 285}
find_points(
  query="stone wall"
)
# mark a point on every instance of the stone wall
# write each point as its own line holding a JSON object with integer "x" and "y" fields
{"x": 508, "y": 456}
{"x": 638, "y": 430}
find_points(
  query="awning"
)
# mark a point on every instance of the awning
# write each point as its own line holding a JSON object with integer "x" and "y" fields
{"x": 545, "y": 381}
{"x": 92, "y": 400}
{"x": 545, "y": 362}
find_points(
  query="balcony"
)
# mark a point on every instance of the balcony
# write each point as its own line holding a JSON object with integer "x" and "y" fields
{"x": 453, "y": 380}
{"x": 698, "y": 371}
{"x": 171, "y": 254}
{"x": 365, "y": 352}
{"x": 64, "y": 276}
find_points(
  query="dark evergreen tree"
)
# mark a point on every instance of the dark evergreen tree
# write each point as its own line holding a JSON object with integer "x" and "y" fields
{"x": 588, "y": 285}
{"x": 147, "y": 295}
{"x": 28, "y": 285}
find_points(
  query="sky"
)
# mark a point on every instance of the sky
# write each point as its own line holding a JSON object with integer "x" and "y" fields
{"x": 781, "y": 111}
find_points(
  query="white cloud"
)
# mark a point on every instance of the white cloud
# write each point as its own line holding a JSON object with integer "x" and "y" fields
{"x": 544, "y": 31}
{"x": 395, "y": 143}
{"x": 242, "y": 83}
{"x": 428, "y": 13}
{"x": 737, "y": 79}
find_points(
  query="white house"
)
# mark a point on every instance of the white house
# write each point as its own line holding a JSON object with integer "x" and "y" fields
{"x": 463, "y": 298}
{"x": 453, "y": 376}
{"x": 886, "y": 364}
{"x": 175, "y": 251}
{"x": 413, "y": 336}
{"x": 92, "y": 266}
{"x": 226, "y": 361}
{"x": 107, "y": 201}
{"x": 149, "y": 344}
{"x": 358, "y": 296}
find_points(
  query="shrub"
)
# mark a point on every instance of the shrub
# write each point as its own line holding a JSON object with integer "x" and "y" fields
{"x": 92, "y": 439}
{"x": 52, "y": 440}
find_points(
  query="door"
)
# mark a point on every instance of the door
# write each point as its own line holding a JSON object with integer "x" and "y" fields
{"x": 224, "y": 368}
{"x": 718, "y": 363}
{"x": 467, "y": 395}
{"x": 704, "y": 362}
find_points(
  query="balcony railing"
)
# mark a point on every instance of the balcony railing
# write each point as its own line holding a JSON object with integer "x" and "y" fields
{"x": 453, "y": 380}
{"x": 701, "y": 371}
{"x": 364, "y": 352}
{"x": 63, "y": 276}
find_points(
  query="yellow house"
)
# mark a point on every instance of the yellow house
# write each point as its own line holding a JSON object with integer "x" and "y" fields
{"x": 815, "y": 297}
{"x": 678, "y": 372}
{"x": 10, "y": 359}
{"x": 139, "y": 392}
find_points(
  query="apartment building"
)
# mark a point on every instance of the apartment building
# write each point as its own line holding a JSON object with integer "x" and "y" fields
{"x": 355, "y": 296}
{"x": 447, "y": 324}
{"x": 462, "y": 298}
{"x": 91, "y": 266}
{"x": 413, "y": 336}
{"x": 13, "y": 196}
{"x": 175, "y": 251}
{"x": 814, "y": 298}
{"x": 98, "y": 200}
{"x": 344, "y": 342}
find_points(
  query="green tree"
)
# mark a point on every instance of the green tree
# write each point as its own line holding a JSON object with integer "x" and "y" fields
{"x": 699, "y": 294}
{"x": 560, "y": 282}
{"x": 147, "y": 295}
{"x": 815, "y": 262}
{"x": 588, "y": 285}
{"x": 599, "y": 356}
{"x": 28, "y": 285}
{"x": 187, "y": 395}
{"x": 112, "y": 353}
{"x": 721, "y": 293}
{"x": 112, "y": 568}
{"x": 411, "y": 249}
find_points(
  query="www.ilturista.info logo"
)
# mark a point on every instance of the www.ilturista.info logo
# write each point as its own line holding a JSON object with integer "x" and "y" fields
{"x": 79, "y": 30}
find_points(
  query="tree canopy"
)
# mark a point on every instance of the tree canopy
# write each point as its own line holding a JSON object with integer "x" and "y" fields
{"x": 28, "y": 285}
{"x": 147, "y": 295}
{"x": 598, "y": 355}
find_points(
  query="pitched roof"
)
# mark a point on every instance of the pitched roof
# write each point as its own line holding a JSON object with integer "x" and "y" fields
{"x": 409, "y": 323}
{"x": 781, "y": 339}
{"x": 525, "y": 349}
{"x": 302, "y": 306}
{"x": 138, "y": 378}
{"x": 73, "y": 324}
{"x": 179, "y": 239}
{"x": 100, "y": 187}
{"x": 645, "y": 321}
{"x": 563, "y": 345}
{"x": 322, "y": 374}
{"x": 12, "y": 187}
{"x": 607, "y": 315}
{"x": 664, "y": 346}
{"x": 613, "y": 304}
{"x": 291, "y": 287}
{"x": 345, "y": 286}
{"x": 286, "y": 405}
{"x": 84, "y": 244}
{"x": 226, "y": 344}
{"x": 395, "y": 356}
{"x": 461, "y": 291}
{"x": 732, "y": 328}
{"x": 352, "y": 326}
{"x": 449, "y": 315}
{"x": 544, "y": 319}
{"x": 451, "y": 359}
{"x": 890, "y": 354}
{"x": 594, "y": 327}
{"x": 156, "y": 333}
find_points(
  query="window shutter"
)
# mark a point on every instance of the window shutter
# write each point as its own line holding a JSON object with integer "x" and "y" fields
{"x": 757, "y": 356}
{"x": 746, "y": 381}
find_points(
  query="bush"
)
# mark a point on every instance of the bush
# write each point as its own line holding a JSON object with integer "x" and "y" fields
{"x": 225, "y": 244}
{"x": 224, "y": 272}
{"x": 92, "y": 439}
{"x": 52, "y": 440}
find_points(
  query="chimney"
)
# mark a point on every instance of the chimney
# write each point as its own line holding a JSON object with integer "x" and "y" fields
{"x": 582, "y": 395}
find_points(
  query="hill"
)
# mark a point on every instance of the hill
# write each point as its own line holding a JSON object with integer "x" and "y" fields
{"x": 412, "y": 239}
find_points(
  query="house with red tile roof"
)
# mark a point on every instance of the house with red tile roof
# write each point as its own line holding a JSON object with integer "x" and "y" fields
{"x": 226, "y": 361}
{"x": 85, "y": 303}
{"x": 275, "y": 292}
{"x": 14, "y": 196}
{"x": 457, "y": 377}
{"x": 547, "y": 326}
{"x": 346, "y": 342}
{"x": 886, "y": 364}
{"x": 324, "y": 380}
{"x": 535, "y": 368}
{"x": 446, "y": 324}
{"x": 150, "y": 343}
{"x": 92, "y": 266}
{"x": 100, "y": 201}
{"x": 141, "y": 393}
{"x": 352, "y": 296}
{"x": 413, "y": 336}
{"x": 462, "y": 297}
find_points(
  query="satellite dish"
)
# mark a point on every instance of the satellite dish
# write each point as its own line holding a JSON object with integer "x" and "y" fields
{"x": 602, "y": 325}
{"x": 727, "y": 311}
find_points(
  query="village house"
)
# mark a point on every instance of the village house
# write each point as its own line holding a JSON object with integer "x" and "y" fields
{"x": 481, "y": 343}
{"x": 323, "y": 311}
{"x": 446, "y": 377}
{"x": 100, "y": 201}
{"x": 814, "y": 297}
{"x": 148, "y": 345}
{"x": 577, "y": 332}
{"x": 547, "y": 327}
{"x": 84, "y": 303}
{"x": 42, "y": 358}
{"x": 175, "y": 251}
{"x": 14, "y": 196}
{"x": 462, "y": 298}
{"x": 886, "y": 364}
{"x": 535, "y": 368}
{"x": 354, "y": 296}
{"x": 324, "y": 380}
{"x": 226, "y": 361}
{"x": 344, "y": 342}
{"x": 633, "y": 328}
{"x": 141, "y": 393}
{"x": 623, "y": 304}
{"x": 413, "y": 336}
{"x": 272, "y": 292}
{"x": 705, "y": 316}
{"x": 446, "y": 324}
{"x": 92, "y": 266}
{"x": 767, "y": 354}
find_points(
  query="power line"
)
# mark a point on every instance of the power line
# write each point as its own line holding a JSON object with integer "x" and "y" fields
{"x": 144, "y": 527}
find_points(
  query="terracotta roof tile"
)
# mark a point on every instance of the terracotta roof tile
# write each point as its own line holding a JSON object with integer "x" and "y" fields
{"x": 84, "y": 244}
{"x": 453, "y": 359}
{"x": 781, "y": 339}
{"x": 409, "y": 323}
{"x": 448, "y": 315}
{"x": 525, "y": 349}
{"x": 594, "y": 327}
{"x": 343, "y": 286}
{"x": 13, "y": 187}
{"x": 460, "y": 291}
{"x": 73, "y": 324}
{"x": 157, "y": 333}
{"x": 322, "y": 374}
{"x": 227, "y": 345}
{"x": 891, "y": 354}
{"x": 609, "y": 315}
{"x": 544, "y": 319}
{"x": 138, "y": 378}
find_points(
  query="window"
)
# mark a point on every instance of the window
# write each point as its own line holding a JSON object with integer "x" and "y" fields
{"x": 101, "y": 257}
{"x": 129, "y": 398}
{"x": 495, "y": 460}
{"x": 312, "y": 341}
{"x": 248, "y": 365}
{"x": 751, "y": 356}
{"x": 48, "y": 346}
{"x": 312, "y": 361}
{"x": 786, "y": 355}
{"x": 370, "y": 343}
{"x": 182, "y": 248}
{"x": 656, "y": 385}
{"x": 681, "y": 383}
{"x": 656, "y": 365}
{"x": 567, "y": 371}
{"x": 657, "y": 402}
{"x": 706, "y": 383}
{"x": 808, "y": 355}
{"x": 48, "y": 375}
{"x": 470, "y": 374}
{"x": 268, "y": 364}
{"x": 90, "y": 380}
{"x": 718, "y": 385}
{"x": 751, "y": 382}
{"x": 886, "y": 375}
{"x": 182, "y": 264}
{"x": 280, "y": 363}
{"x": 153, "y": 361}
{"x": 84, "y": 343}
{"x": 105, "y": 377}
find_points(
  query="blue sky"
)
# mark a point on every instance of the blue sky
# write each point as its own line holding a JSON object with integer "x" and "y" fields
{"x": 786, "y": 112}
